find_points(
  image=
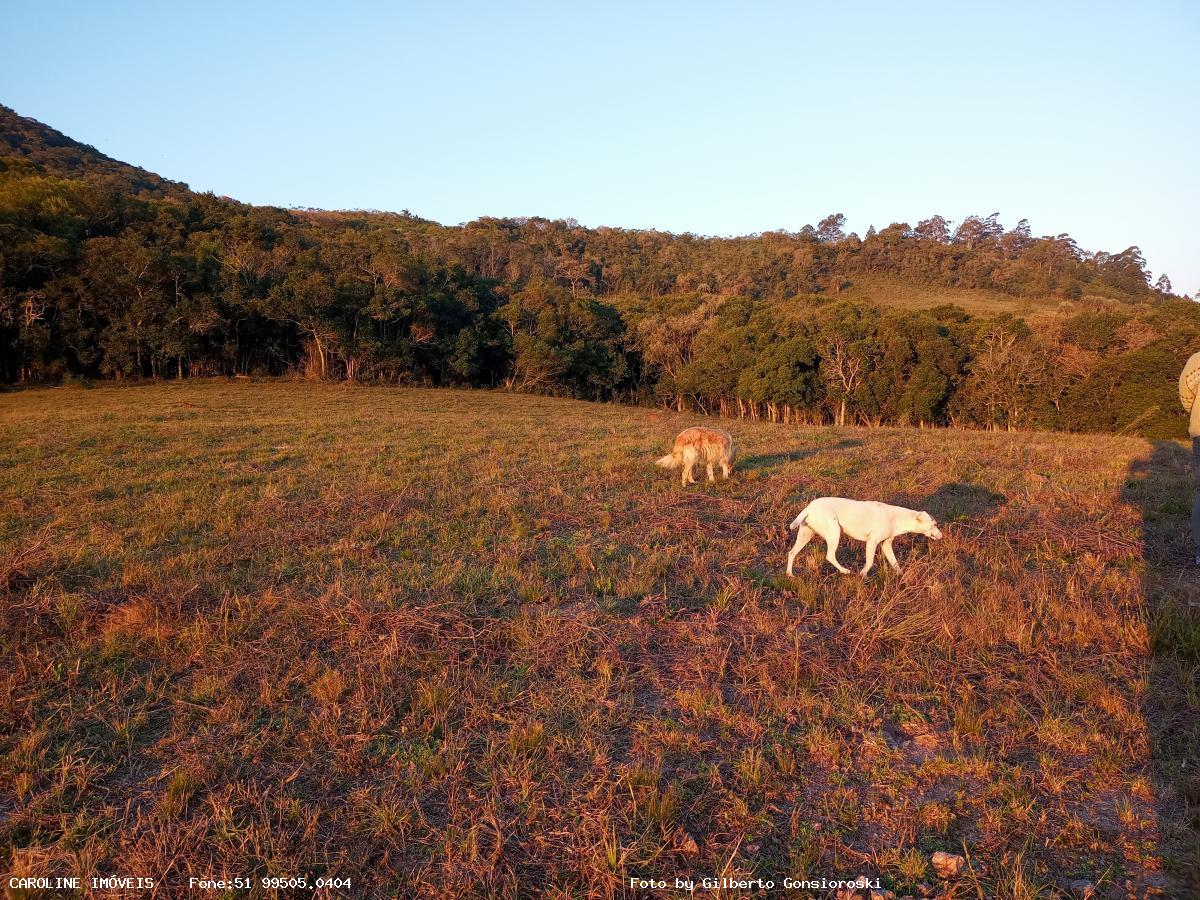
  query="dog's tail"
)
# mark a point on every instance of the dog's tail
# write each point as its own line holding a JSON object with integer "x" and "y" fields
{"x": 799, "y": 520}
{"x": 667, "y": 462}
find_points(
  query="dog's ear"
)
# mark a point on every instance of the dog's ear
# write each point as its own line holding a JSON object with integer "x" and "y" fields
{"x": 923, "y": 516}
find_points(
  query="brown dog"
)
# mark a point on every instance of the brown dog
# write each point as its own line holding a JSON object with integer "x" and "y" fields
{"x": 710, "y": 446}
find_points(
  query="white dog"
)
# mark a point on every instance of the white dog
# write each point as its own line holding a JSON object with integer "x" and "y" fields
{"x": 864, "y": 520}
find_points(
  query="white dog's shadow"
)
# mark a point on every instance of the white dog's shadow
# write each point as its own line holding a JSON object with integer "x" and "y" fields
{"x": 955, "y": 501}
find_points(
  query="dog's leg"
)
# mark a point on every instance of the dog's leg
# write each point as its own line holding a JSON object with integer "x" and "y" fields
{"x": 711, "y": 476}
{"x": 803, "y": 536}
{"x": 889, "y": 554}
{"x": 831, "y": 545}
{"x": 725, "y": 470}
{"x": 687, "y": 473}
{"x": 871, "y": 545}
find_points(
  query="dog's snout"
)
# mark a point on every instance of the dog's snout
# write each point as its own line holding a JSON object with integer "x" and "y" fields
{"x": 936, "y": 534}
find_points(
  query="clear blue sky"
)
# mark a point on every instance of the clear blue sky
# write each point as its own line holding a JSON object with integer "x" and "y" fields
{"x": 726, "y": 118}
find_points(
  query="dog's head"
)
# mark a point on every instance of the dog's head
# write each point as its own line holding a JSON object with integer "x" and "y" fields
{"x": 926, "y": 525}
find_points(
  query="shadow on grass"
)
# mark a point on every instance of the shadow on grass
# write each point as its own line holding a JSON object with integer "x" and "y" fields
{"x": 765, "y": 462}
{"x": 1161, "y": 488}
{"x": 959, "y": 500}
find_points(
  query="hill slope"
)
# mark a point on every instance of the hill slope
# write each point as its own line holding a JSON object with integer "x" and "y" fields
{"x": 452, "y": 643}
{"x": 977, "y": 265}
{"x": 29, "y": 140}
{"x": 106, "y": 272}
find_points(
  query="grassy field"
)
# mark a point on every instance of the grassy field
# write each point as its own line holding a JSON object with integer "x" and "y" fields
{"x": 889, "y": 292}
{"x": 451, "y": 644}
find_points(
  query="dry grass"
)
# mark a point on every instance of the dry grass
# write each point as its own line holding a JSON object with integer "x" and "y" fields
{"x": 889, "y": 292}
{"x": 457, "y": 644}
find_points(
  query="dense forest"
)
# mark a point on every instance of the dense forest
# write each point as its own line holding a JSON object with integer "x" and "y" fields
{"x": 109, "y": 271}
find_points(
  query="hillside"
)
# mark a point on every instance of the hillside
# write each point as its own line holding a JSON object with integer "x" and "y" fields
{"x": 107, "y": 272}
{"x": 449, "y": 643}
{"x": 29, "y": 141}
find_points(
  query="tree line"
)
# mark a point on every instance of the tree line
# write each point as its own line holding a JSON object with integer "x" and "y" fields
{"x": 108, "y": 274}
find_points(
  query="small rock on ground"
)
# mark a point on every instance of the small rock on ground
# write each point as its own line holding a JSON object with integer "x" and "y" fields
{"x": 947, "y": 865}
{"x": 1079, "y": 887}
